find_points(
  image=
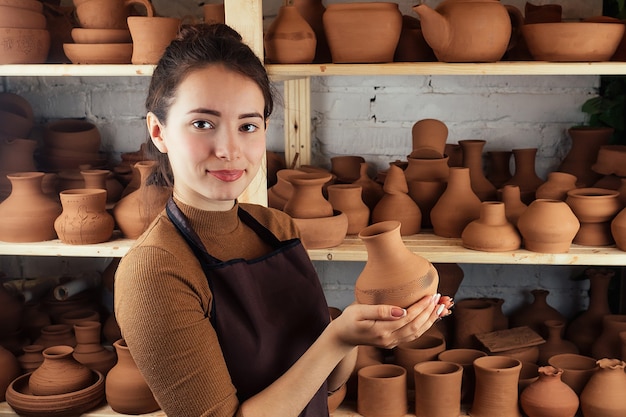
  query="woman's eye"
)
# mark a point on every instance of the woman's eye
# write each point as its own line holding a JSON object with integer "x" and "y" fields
{"x": 249, "y": 128}
{"x": 202, "y": 124}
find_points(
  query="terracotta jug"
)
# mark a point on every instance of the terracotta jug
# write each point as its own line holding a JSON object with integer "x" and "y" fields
{"x": 307, "y": 200}
{"x": 556, "y": 186}
{"x": 457, "y": 206}
{"x": 498, "y": 167}
{"x": 496, "y": 387}
{"x": 392, "y": 274}
{"x": 473, "y": 159}
{"x": 89, "y": 349}
{"x": 396, "y": 204}
{"x": 555, "y": 344}
{"x": 513, "y": 204}
{"x": 548, "y": 226}
{"x": 438, "y": 389}
{"x": 472, "y": 316}
{"x": 456, "y": 31}
{"x": 577, "y": 369}
{"x": 408, "y": 354}
{"x": 608, "y": 344}
{"x": 10, "y": 369}
{"x": 586, "y": 327}
{"x": 586, "y": 142}
{"x": 465, "y": 358}
{"x": 429, "y": 138}
{"x": 134, "y": 213}
{"x": 31, "y": 359}
{"x": 382, "y": 391}
{"x": 289, "y": 39}
{"x": 371, "y": 191}
{"x": 491, "y": 232}
{"x": 549, "y": 396}
{"x": 535, "y": 314}
{"x": 84, "y": 219}
{"x": 595, "y": 208}
{"x": 525, "y": 175}
{"x": 313, "y": 12}
{"x": 603, "y": 396}
{"x": 347, "y": 199}
{"x": 28, "y": 215}
{"x": 59, "y": 373}
{"x": 126, "y": 389}
{"x": 151, "y": 35}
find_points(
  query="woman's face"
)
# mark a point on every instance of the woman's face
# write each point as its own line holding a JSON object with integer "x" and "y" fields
{"x": 214, "y": 137}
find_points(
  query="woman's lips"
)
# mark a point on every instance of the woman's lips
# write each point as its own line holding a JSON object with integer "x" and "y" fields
{"x": 227, "y": 175}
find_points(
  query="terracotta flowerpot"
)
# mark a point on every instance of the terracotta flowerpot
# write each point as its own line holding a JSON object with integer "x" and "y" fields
{"x": 392, "y": 274}
{"x": 425, "y": 348}
{"x": 525, "y": 175}
{"x": 549, "y": 396}
{"x": 382, "y": 391}
{"x": 126, "y": 389}
{"x": 603, "y": 394}
{"x": 595, "y": 209}
{"x": 465, "y": 358}
{"x": 313, "y": 12}
{"x": 59, "y": 373}
{"x": 84, "y": 219}
{"x": 429, "y": 138}
{"x": 289, "y": 38}
{"x": 151, "y": 35}
{"x": 491, "y": 232}
{"x": 577, "y": 369}
{"x": 555, "y": 343}
{"x": 473, "y": 159}
{"x": 583, "y": 153}
{"x": 548, "y": 226}
{"x": 498, "y": 167}
{"x": 347, "y": 199}
{"x": 557, "y": 186}
{"x": 89, "y": 350}
{"x": 307, "y": 200}
{"x": 496, "y": 387}
{"x": 608, "y": 344}
{"x": 535, "y": 314}
{"x": 438, "y": 389}
{"x": 513, "y": 204}
{"x": 10, "y": 370}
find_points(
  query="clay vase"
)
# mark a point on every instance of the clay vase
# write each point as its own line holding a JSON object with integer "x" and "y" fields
{"x": 535, "y": 314}
{"x": 382, "y": 391}
{"x": 491, "y": 232}
{"x": 347, "y": 168}
{"x": 577, "y": 369}
{"x": 548, "y": 226}
{"x": 524, "y": 174}
{"x": 392, "y": 274}
{"x": 513, "y": 204}
{"x": 84, "y": 219}
{"x": 307, "y": 200}
{"x": 549, "y": 396}
{"x": 396, "y": 204}
{"x": 556, "y": 186}
{"x": 31, "y": 359}
{"x": 555, "y": 344}
{"x": 371, "y": 191}
{"x": 126, "y": 389}
{"x": 59, "y": 373}
{"x": 457, "y": 206}
{"x": 586, "y": 143}
{"x": 412, "y": 47}
{"x": 498, "y": 167}
{"x": 424, "y": 348}
{"x": 151, "y": 35}
{"x": 28, "y": 215}
{"x": 603, "y": 396}
{"x": 362, "y": 32}
{"x": 279, "y": 193}
{"x": 426, "y": 194}
{"x": 465, "y": 358}
{"x": 347, "y": 199}
{"x": 103, "y": 179}
{"x": 496, "y": 391}
{"x": 56, "y": 334}
{"x": 89, "y": 350}
{"x": 438, "y": 389}
{"x": 595, "y": 209}
{"x": 608, "y": 344}
{"x": 427, "y": 169}
{"x": 313, "y": 11}
{"x": 9, "y": 370}
{"x": 134, "y": 212}
{"x": 289, "y": 39}
{"x": 473, "y": 159}
{"x": 428, "y": 138}
{"x": 585, "y": 328}
{"x": 471, "y": 317}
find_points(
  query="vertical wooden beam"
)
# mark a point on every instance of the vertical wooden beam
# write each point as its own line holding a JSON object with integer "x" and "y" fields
{"x": 298, "y": 120}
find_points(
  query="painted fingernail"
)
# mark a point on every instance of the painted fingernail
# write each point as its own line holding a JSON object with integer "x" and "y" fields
{"x": 440, "y": 309}
{"x": 398, "y": 312}
{"x": 436, "y": 298}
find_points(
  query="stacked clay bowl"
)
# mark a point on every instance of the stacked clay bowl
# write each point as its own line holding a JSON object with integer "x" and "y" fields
{"x": 23, "y": 33}
{"x": 99, "y": 46}
{"x": 70, "y": 143}
{"x": 573, "y": 41}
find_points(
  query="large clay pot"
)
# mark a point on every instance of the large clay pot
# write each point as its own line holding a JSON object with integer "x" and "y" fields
{"x": 134, "y": 212}
{"x": 9, "y": 370}
{"x": 151, "y": 35}
{"x": 603, "y": 396}
{"x": 313, "y": 12}
{"x": 595, "y": 209}
{"x": 457, "y": 206}
{"x": 392, "y": 274}
{"x": 496, "y": 387}
{"x": 548, "y": 226}
{"x": 549, "y": 396}
{"x": 28, "y": 215}
{"x": 608, "y": 344}
{"x": 84, "y": 219}
{"x": 89, "y": 350}
{"x": 535, "y": 314}
{"x": 289, "y": 39}
{"x": 468, "y": 31}
{"x": 556, "y": 186}
{"x": 347, "y": 199}
{"x": 586, "y": 143}
{"x": 525, "y": 175}
{"x": 59, "y": 373}
{"x": 307, "y": 200}
{"x": 473, "y": 159}
{"x": 408, "y": 354}
{"x": 126, "y": 389}
{"x": 396, "y": 204}
{"x": 465, "y": 358}
{"x": 513, "y": 204}
{"x": 438, "y": 389}
{"x": 577, "y": 369}
{"x": 555, "y": 344}
{"x": 382, "y": 391}
{"x": 491, "y": 232}
{"x": 362, "y": 32}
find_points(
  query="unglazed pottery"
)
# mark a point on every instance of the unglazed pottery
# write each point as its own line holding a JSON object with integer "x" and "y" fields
{"x": 412, "y": 46}
{"x": 347, "y": 168}
{"x": 556, "y": 186}
{"x": 151, "y": 35}
{"x": 549, "y": 396}
{"x": 392, "y": 274}
{"x": 603, "y": 394}
{"x": 24, "y": 46}
{"x": 382, "y": 391}
{"x": 347, "y": 199}
{"x": 56, "y": 334}
{"x": 496, "y": 387}
{"x": 84, "y": 219}
{"x": 106, "y": 14}
{"x": 548, "y": 226}
{"x": 438, "y": 389}
{"x": 473, "y": 159}
{"x": 608, "y": 344}
{"x": 525, "y": 175}
{"x": 279, "y": 193}
{"x": 408, "y": 354}
{"x": 513, "y": 204}
{"x": 31, "y": 359}
{"x": 465, "y": 358}
{"x": 491, "y": 232}
{"x": 372, "y": 191}
{"x": 498, "y": 167}
{"x": 313, "y": 12}
{"x": 72, "y": 134}
{"x": 429, "y": 138}
{"x": 323, "y": 232}
{"x": 59, "y": 373}
{"x": 583, "y": 153}
{"x": 577, "y": 369}
{"x": 426, "y": 193}
{"x": 555, "y": 343}
{"x": 89, "y": 349}
{"x": 289, "y": 39}
{"x": 595, "y": 209}
{"x": 472, "y": 316}
{"x": 10, "y": 369}
{"x": 610, "y": 160}
{"x": 307, "y": 200}
{"x": 535, "y": 313}
{"x": 427, "y": 169}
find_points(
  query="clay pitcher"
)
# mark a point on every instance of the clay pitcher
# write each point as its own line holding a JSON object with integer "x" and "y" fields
{"x": 392, "y": 274}
{"x": 469, "y": 30}
{"x": 603, "y": 396}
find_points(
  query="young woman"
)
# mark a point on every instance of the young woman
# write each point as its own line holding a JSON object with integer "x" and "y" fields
{"x": 218, "y": 301}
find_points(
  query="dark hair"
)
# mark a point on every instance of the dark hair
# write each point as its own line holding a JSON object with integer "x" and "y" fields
{"x": 198, "y": 46}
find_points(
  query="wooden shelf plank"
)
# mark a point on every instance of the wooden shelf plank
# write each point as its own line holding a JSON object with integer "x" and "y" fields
{"x": 115, "y": 248}
{"x": 63, "y": 70}
{"x": 101, "y": 411}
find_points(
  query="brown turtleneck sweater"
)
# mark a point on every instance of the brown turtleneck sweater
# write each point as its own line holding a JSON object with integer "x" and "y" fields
{"x": 162, "y": 305}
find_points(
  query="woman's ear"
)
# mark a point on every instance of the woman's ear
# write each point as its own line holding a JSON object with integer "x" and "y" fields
{"x": 267, "y": 122}
{"x": 156, "y": 131}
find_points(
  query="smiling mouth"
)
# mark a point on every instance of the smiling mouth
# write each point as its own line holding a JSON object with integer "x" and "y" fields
{"x": 227, "y": 175}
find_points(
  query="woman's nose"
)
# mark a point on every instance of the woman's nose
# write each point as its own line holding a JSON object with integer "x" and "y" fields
{"x": 227, "y": 147}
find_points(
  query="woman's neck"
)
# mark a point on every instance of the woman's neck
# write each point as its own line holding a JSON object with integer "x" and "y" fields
{"x": 203, "y": 203}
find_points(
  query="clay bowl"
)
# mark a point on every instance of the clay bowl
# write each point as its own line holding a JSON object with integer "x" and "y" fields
{"x": 323, "y": 232}
{"x": 19, "y": 397}
{"x": 17, "y": 17}
{"x": 33, "y": 5}
{"x": 24, "y": 46}
{"x": 572, "y": 41}
{"x": 85, "y": 35}
{"x": 594, "y": 205}
{"x": 99, "y": 53}
{"x": 72, "y": 134}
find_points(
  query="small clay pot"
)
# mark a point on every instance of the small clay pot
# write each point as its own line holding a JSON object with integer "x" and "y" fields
{"x": 548, "y": 226}
{"x": 492, "y": 232}
{"x": 59, "y": 373}
{"x": 382, "y": 391}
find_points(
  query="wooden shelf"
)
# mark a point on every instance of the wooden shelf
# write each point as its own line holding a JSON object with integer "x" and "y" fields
{"x": 102, "y": 411}
{"x": 74, "y": 70}
{"x": 115, "y": 248}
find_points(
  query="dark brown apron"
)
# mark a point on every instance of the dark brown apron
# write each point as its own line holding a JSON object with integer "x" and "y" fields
{"x": 266, "y": 311}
